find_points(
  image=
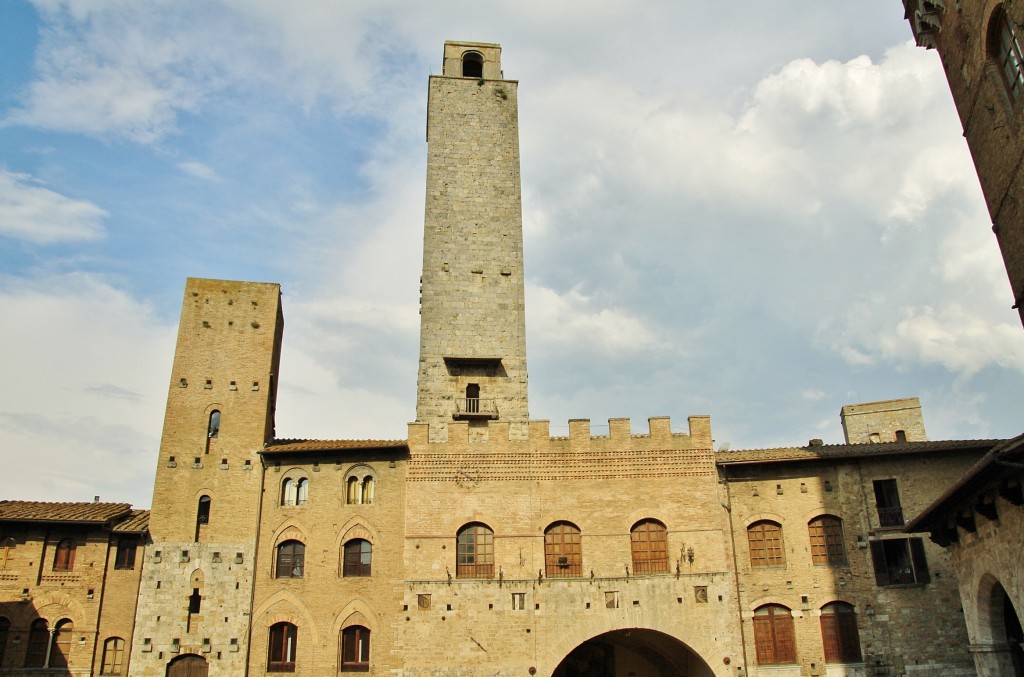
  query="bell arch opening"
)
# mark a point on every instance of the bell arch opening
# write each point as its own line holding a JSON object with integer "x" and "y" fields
{"x": 634, "y": 652}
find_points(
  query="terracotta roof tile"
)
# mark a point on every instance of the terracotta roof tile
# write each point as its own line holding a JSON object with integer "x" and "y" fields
{"x": 39, "y": 511}
{"x": 829, "y": 451}
{"x": 136, "y": 523}
{"x": 277, "y": 446}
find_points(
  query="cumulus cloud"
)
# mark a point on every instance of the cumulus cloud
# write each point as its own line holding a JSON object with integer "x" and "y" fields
{"x": 33, "y": 213}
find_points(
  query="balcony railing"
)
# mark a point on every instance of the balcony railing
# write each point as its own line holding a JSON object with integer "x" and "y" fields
{"x": 474, "y": 407}
{"x": 890, "y": 517}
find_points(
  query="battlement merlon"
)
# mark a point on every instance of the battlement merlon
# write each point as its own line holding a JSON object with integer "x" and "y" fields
{"x": 579, "y": 440}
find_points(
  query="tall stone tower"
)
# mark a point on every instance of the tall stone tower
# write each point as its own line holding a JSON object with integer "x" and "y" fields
{"x": 980, "y": 44}
{"x": 197, "y": 583}
{"x": 472, "y": 306}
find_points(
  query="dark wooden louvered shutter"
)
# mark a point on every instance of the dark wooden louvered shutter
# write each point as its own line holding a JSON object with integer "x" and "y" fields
{"x": 878, "y": 560}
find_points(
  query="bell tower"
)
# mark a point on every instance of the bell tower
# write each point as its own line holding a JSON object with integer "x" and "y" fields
{"x": 472, "y": 304}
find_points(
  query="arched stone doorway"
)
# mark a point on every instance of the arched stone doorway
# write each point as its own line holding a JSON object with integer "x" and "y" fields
{"x": 188, "y": 665}
{"x": 636, "y": 652}
{"x": 1006, "y": 632}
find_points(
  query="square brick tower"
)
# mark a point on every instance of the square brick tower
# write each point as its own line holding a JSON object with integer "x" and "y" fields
{"x": 980, "y": 44}
{"x": 196, "y": 593}
{"x": 472, "y": 305}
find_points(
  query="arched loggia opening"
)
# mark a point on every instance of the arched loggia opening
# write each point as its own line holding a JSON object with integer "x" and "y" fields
{"x": 1007, "y": 635}
{"x": 634, "y": 652}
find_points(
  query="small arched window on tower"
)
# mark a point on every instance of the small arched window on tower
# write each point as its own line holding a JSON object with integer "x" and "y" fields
{"x": 1004, "y": 48}
{"x": 214, "y": 428}
{"x": 202, "y": 516}
{"x": 472, "y": 65}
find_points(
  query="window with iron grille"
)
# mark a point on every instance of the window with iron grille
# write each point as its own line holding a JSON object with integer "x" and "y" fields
{"x": 765, "y": 541}
{"x": 649, "y": 545}
{"x": 357, "y": 555}
{"x": 475, "y": 552}
{"x": 839, "y": 633}
{"x": 827, "y": 544}
{"x": 887, "y": 501}
{"x": 563, "y": 552}
{"x": 773, "y": 635}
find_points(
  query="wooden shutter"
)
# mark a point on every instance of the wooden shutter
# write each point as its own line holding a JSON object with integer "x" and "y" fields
{"x": 878, "y": 560}
{"x": 919, "y": 561}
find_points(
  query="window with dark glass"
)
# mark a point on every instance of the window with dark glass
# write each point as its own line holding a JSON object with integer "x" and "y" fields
{"x": 648, "y": 541}
{"x": 291, "y": 557}
{"x": 827, "y": 545}
{"x": 474, "y": 552}
{"x": 124, "y": 558}
{"x": 355, "y": 649}
{"x": 358, "y": 553}
{"x": 773, "y": 635}
{"x": 887, "y": 501}
{"x": 839, "y": 633}
{"x": 765, "y": 541}
{"x": 113, "y": 656}
{"x": 64, "y": 557}
{"x": 899, "y": 561}
{"x": 1004, "y": 48}
{"x": 563, "y": 551}
{"x": 38, "y": 641}
{"x": 202, "y": 516}
{"x": 283, "y": 643}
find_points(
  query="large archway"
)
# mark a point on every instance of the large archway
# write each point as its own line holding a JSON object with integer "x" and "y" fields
{"x": 1005, "y": 628}
{"x": 188, "y": 665}
{"x": 636, "y": 652}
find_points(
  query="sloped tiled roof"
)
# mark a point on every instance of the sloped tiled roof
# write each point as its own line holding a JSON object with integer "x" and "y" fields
{"x": 836, "y": 451}
{"x": 281, "y": 446}
{"x": 40, "y": 511}
{"x": 136, "y": 523}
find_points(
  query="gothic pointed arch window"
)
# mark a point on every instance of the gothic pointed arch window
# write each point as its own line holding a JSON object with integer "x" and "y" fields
{"x": 773, "y": 635}
{"x": 1004, "y": 48}
{"x": 472, "y": 65}
{"x": 839, "y": 633}
{"x": 563, "y": 551}
{"x": 649, "y": 546}
{"x": 474, "y": 551}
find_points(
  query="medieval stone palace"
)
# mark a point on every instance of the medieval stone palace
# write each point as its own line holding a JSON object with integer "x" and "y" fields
{"x": 481, "y": 544}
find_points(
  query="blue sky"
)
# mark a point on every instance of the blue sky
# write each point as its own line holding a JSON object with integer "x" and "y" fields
{"x": 760, "y": 215}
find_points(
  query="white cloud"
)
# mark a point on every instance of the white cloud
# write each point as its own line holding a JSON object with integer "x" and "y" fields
{"x": 199, "y": 170}
{"x": 91, "y": 406}
{"x": 39, "y": 215}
